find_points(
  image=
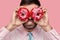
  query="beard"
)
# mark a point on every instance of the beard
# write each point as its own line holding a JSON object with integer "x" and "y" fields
{"x": 30, "y": 26}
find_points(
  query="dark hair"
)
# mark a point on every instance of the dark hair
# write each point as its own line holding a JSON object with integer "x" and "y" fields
{"x": 27, "y": 2}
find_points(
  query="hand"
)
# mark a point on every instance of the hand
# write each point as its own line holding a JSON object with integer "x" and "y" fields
{"x": 15, "y": 22}
{"x": 44, "y": 22}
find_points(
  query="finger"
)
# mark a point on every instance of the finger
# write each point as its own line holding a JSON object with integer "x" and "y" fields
{"x": 41, "y": 7}
{"x": 14, "y": 16}
{"x": 15, "y": 13}
{"x": 45, "y": 12}
{"x": 46, "y": 16}
{"x": 44, "y": 9}
{"x": 17, "y": 9}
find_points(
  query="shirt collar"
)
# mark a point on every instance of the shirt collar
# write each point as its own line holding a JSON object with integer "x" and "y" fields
{"x": 34, "y": 32}
{"x": 21, "y": 29}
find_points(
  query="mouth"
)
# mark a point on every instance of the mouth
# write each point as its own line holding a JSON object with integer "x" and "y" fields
{"x": 29, "y": 26}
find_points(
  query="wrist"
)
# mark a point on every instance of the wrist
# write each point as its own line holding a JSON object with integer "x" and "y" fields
{"x": 10, "y": 27}
{"x": 47, "y": 28}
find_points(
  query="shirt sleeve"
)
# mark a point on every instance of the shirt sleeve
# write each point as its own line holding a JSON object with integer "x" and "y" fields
{"x": 53, "y": 35}
{"x": 3, "y": 32}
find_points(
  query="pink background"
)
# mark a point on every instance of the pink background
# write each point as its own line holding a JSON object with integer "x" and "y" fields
{"x": 53, "y": 6}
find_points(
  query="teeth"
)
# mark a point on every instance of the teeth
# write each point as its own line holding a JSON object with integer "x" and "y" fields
{"x": 29, "y": 25}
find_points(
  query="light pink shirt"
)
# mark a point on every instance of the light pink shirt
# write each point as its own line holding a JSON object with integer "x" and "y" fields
{"x": 21, "y": 34}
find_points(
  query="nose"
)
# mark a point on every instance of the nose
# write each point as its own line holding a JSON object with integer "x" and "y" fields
{"x": 29, "y": 22}
{"x": 30, "y": 18}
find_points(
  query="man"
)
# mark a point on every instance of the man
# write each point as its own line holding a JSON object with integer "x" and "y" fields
{"x": 29, "y": 29}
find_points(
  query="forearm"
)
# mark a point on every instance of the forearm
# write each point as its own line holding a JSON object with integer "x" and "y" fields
{"x": 3, "y": 32}
{"x": 52, "y": 35}
{"x": 51, "y": 32}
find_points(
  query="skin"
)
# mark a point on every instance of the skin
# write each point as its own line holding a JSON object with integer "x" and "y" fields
{"x": 29, "y": 24}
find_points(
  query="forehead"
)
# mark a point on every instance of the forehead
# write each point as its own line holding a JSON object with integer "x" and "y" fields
{"x": 29, "y": 7}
